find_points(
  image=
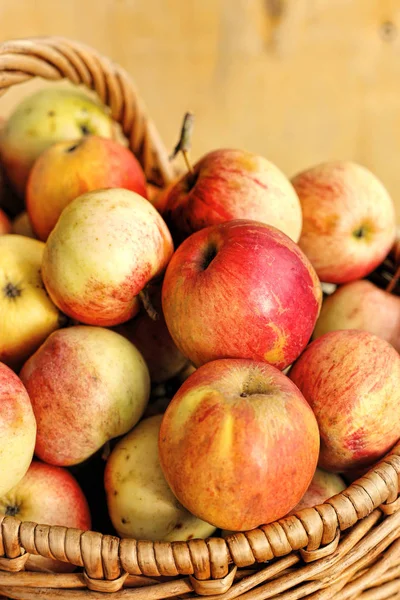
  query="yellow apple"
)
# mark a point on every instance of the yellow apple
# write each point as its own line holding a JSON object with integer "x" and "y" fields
{"x": 140, "y": 503}
{"x": 27, "y": 315}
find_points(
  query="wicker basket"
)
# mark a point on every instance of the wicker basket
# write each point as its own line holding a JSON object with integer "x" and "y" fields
{"x": 347, "y": 548}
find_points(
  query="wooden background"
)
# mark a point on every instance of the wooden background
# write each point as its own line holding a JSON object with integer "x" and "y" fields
{"x": 299, "y": 81}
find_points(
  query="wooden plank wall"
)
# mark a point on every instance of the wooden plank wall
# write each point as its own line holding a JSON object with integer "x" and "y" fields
{"x": 299, "y": 81}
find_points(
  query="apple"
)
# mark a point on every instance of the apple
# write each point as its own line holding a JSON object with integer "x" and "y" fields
{"x": 241, "y": 289}
{"x": 349, "y": 222}
{"x": 87, "y": 386}
{"x": 106, "y": 247}
{"x": 17, "y": 430}
{"x": 351, "y": 379}
{"x": 323, "y": 486}
{"x": 28, "y": 315}
{"x": 140, "y": 503}
{"x": 361, "y": 305}
{"x": 153, "y": 340}
{"x": 47, "y": 495}
{"x": 232, "y": 184}
{"x": 5, "y": 225}
{"x": 238, "y": 444}
{"x": 69, "y": 169}
{"x": 43, "y": 118}
{"x": 22, "y": 226}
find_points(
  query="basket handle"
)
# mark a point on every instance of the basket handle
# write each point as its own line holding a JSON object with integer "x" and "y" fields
{"x": 55, "y": 58}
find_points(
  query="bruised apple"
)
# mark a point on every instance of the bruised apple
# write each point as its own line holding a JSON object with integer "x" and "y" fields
{"x": 351, "y": 379}
{"x": 17, "y": 430}
{"x": 241, "y": 289}
{"x": 87, "y": 386}
{"x": 106, "y": 247}
{"x": 238, "y": 444}
{"x": 48, "y": 495}
{"x": 140, "y": 502}
{"x": 90, "y": 163}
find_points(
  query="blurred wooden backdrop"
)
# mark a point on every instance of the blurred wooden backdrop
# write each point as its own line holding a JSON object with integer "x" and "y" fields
{"x": 299, "y": 81}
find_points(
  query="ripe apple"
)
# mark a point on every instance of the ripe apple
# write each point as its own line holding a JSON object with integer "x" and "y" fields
{"x": 351, "y": 380}
{"x": 106, "y": 247}
{"x": 238, "y": 444}
{"x": 241, "y": 289}
{"x": 323, "y": 486}
{"x": 349, "y": 221}
{"x": 87, "y": 386}
{"x": 28, "y": 315}
{"x": 69, "y": 169}
{"x": 43, "y": 118}
{"x": 5, "y": 225}
{"x": 154, "y": 342}
{"x": 140, "y": 503}
{"x": 232, "y": 184}
{"x": 22, "y": 226}
{"x": 47, "y": 495}
{"x": 361, "y": 305}
{"x": 17, "y": 429}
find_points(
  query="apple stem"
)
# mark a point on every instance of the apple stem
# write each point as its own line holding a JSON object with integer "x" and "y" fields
{"x": 106, "y": 451}
{"x": 147, "y": 305}
{"x": 185, "y": 140}
{"x": 392, "y": 283}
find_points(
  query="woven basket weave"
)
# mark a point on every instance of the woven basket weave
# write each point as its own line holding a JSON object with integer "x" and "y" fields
{"x": 346, "y": 548}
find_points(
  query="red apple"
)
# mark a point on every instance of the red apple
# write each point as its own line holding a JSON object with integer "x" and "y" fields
{"x": 361, "y": 305}
{"x": 5, "y": 224}
{"x": 241, "y": 289}
{"x": 323, "y": 486}
{"x": 17, "y": 429}
{"x": 154, "y": 342}
{"x": 238, "y": 444}
{"x": 106, "y": 247}
{"x": 349, "y": 221}
{"x": 47, "y": 495}
{"x": 87, "y": 386}
{"x": 69, "y": 169}
{"x": 351, "y": 380}
{"x": 232, "y": 184}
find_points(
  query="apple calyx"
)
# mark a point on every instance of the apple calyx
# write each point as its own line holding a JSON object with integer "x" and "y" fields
{"x": 12, "y": 510}
{"x": 185, "y": 141}
{"x": 12, "y": 291}
{"x": 144, "y": 297}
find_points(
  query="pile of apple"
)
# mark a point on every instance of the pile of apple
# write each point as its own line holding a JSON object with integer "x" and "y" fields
{"x": 110, "y": 291}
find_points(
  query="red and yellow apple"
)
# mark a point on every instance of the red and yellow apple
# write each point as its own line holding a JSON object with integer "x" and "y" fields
{"x": 232, "y": 184}
{"x": 349, "y": 221}
{"x": 17, "y": 430}
{"x": 323, "y": 486}
{"x": 361, "y": 305}
{"x": 238, "y": 444}
{"x": 153, "y": 340}
{"x": 351, "y": 379}
{"x": 87, "y": 386}
{"x": 5, "y": 225}
{"x": 27, "y": 314}
{"x": 106, "y": 247}
{"x": 50, "y": 496}
{"x": 90, "y": 163}
{"x": 140, "y": 502}
{"x": 241, "y": 289}
{"x": 43, "y": 118}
